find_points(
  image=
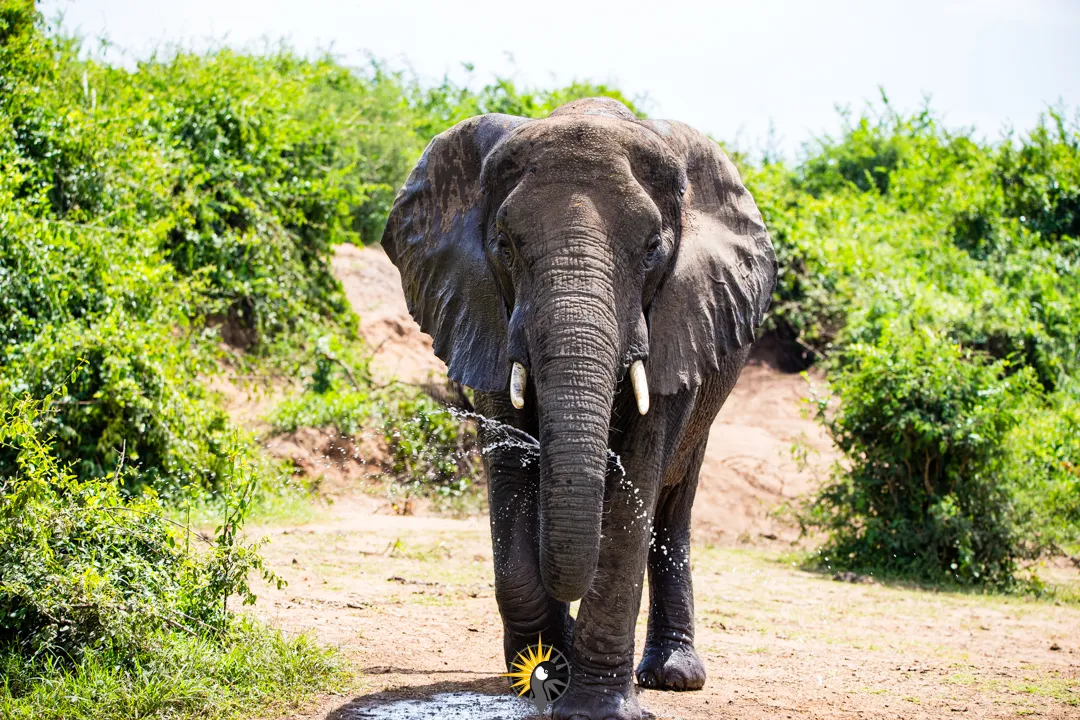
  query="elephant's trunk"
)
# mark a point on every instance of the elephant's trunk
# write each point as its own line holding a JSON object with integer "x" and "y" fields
{"x": 575, "y": 361}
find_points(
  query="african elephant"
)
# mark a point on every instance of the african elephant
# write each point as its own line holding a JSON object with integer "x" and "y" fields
{"x": 596, "y": 279}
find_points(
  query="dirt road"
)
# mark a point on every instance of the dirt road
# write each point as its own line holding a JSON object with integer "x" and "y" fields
{"x": 410, "y": 600}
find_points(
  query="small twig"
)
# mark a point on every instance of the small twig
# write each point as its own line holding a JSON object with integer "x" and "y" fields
{"x": 393, "y": 383}
{"x": 348, "y": 373}
{"x": 211, "y": 628}
{"x": 162, "y": 518}
{"x": 177, "y": 626}
{"x": 379, "y": 347}
{"x": 926, "y": 475}
{"x": 345, "y": 368}
{"x": 120, "y": 465}
{"x": 807, "y": 348}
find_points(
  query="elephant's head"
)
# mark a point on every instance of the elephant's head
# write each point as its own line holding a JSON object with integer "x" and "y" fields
{"x": 561, "y": 251}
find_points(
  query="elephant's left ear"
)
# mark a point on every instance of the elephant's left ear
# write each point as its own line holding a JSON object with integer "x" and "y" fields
{"x": 722, "y": 277}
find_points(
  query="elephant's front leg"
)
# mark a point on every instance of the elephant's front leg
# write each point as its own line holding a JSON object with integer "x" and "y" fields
{"x": 528, "y": 612}
{"x": 602, "y": 681}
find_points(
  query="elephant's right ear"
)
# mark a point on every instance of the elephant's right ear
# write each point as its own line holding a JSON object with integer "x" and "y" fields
{"x": 435, "y": 236}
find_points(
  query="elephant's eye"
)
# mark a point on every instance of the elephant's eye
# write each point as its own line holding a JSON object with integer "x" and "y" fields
{"x": 652, "y": 255}
{"x": 504, "y": 248}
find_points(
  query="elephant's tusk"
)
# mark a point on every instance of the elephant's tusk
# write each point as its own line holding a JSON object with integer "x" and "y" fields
{"x": 518, "y": 378}
{"x": 641, "y": 386}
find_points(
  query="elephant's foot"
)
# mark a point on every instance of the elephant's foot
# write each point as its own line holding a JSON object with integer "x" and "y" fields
{"x": 597, "y": 704}
{"x": 671, "y": 668}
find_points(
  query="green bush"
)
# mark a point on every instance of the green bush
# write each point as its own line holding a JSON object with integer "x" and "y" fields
{"x": 83, "y": 567}
{"x": 939, "y": 219}
{"x": 870, "y": 150}
{"x": 924, "y": 425}
{"x": 1045, "y": 471}
{"x": 347, "y": 411}
{"x": 110, "y": 610}
{"x": 137, "y": 209}
{"x": 901, "y": 223}
{"x": 130, "y": 392}
{"x": 432, "y": 449}
{"x": 1040, "y": 182}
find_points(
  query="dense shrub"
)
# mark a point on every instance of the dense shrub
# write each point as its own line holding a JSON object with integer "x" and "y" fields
{"x": 900, "y": 223}
{"x": 924, "y": 424}
{"x": 432, "y": 450}
{"x": 84, "y": 568}
{"x": 109, "y": 610}
{"x": 136, "y": 208}
{"x": 1045, "y": 472}
{"x": 1040, "y": 182}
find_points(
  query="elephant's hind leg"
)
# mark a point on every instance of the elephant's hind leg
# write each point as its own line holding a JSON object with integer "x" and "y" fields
{"x": 670, "y": 661}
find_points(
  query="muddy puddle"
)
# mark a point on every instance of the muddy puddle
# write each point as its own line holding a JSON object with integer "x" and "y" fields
{"x": 447, "y": 706}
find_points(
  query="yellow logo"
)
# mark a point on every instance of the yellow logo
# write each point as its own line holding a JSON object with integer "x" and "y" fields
{"x": 540, "y": 672}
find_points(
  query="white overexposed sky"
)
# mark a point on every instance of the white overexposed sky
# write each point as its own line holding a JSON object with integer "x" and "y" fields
{"x": 729, "y": 68}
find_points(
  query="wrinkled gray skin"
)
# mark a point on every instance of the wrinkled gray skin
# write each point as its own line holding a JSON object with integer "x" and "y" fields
{"x": 576, "y": 244}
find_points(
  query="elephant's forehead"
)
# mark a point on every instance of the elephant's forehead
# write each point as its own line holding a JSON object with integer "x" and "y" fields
{"x": 597, "y": 139}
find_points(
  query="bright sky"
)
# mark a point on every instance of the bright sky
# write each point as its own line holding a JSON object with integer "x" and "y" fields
{"x": 728, "y": 68}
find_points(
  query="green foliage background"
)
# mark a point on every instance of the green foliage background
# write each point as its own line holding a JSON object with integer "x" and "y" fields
{"x": 938, "y": 276}
{"x": 159, "y": 221}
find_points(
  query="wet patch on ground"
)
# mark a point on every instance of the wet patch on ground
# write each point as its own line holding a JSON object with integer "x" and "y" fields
{"x": 444, "y": 706}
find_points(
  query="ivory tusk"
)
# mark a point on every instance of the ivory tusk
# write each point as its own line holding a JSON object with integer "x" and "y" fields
{"x": 641, "y": 386}
{"x": 518, "y": 378}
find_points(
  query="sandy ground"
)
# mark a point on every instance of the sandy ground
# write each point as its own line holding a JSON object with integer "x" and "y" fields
{"x": 410, "y": 599}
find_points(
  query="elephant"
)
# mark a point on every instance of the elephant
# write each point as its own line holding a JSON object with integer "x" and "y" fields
{"x": 597, "y": 280}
